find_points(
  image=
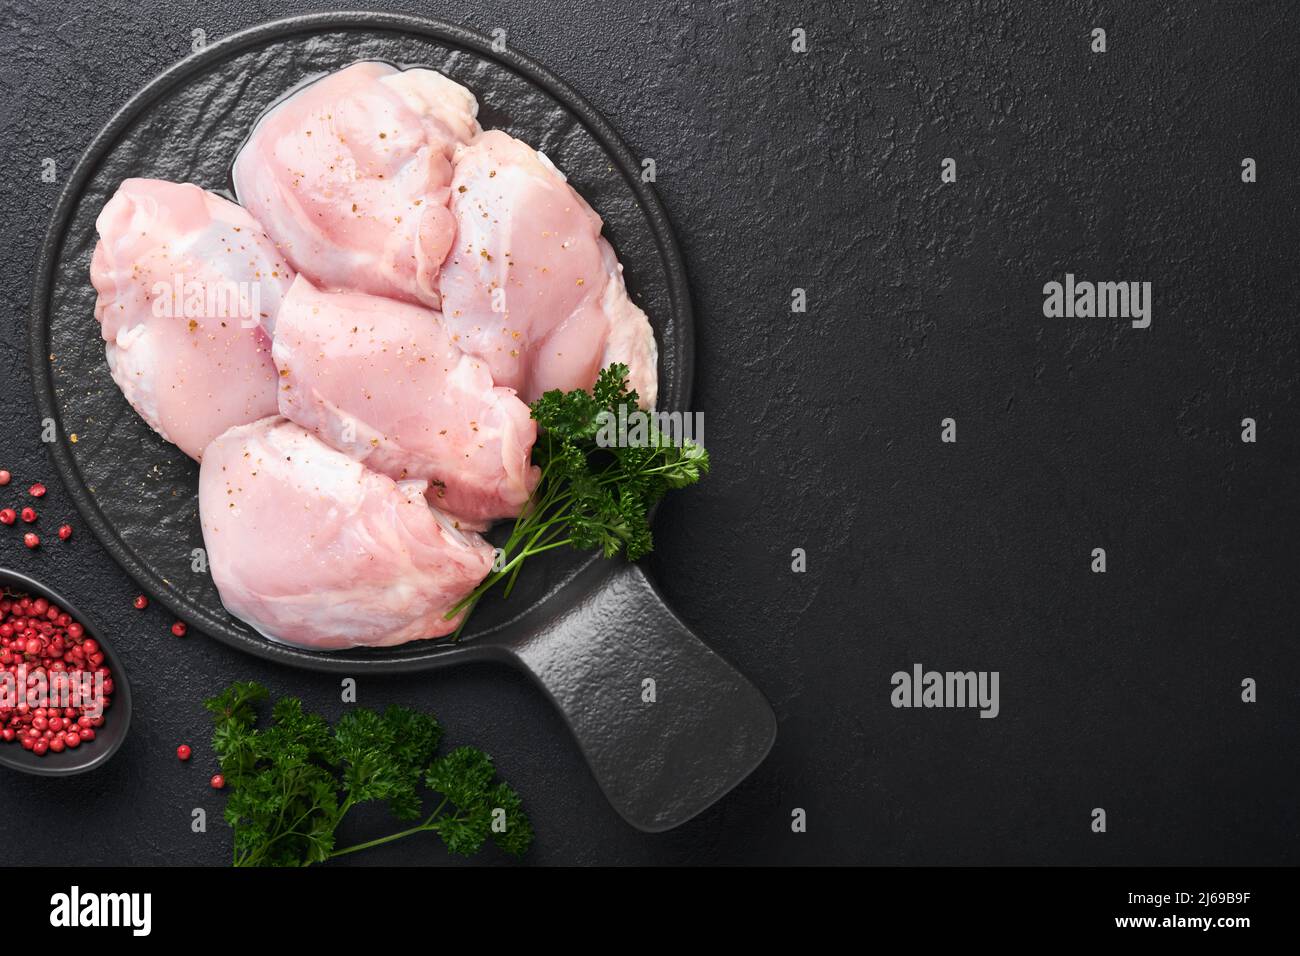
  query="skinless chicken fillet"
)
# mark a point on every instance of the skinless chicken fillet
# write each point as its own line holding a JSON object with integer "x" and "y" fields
{"x": 383, "y": 382}
{"x": 350, "y": 354}
{"x": 530, "y": 286}
{"x": 350, "y": 175}
{"x": 313, "y": 549}
{"x": 188, "y": 290}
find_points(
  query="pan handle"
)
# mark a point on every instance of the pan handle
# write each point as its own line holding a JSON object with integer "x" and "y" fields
{"x": 666, "y": 725}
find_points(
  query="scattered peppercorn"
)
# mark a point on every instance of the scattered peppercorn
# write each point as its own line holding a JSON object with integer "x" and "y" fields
{"x": 37, "y": 490}
{"x": 5, "y": 477}
{"x": 218, "y": 781}
{"x": 179, "y": 628}
{"x": 183, "y": 751}
{"x": 141, "y": 602}
{"x": 29, "y": 515}
{"x": 31, "y": 540}
{"x": 8, "y": 516}
{"x": 65, "y": 532}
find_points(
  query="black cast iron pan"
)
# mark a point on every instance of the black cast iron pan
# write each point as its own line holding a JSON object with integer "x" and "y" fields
{"x": 591, "y": 632}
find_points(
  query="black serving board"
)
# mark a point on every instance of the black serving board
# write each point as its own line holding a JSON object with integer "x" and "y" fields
{"x": 137, "y": 491}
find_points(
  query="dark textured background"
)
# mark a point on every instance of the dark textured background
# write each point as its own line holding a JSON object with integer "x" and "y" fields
{"x": 822, "y": 171}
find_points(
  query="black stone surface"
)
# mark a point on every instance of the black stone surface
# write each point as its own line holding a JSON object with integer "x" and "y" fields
{"x": 821, "y": 171}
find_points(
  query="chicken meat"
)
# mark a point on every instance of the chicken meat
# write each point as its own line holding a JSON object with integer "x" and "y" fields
{"x": 311, "y": 548}
{"x": 349, "y": 352}
{"x": 530, "y": 286}
{"x": 350, "y": 176}
{"x": 188, "y": 288}
{"x": 383, "y": 382}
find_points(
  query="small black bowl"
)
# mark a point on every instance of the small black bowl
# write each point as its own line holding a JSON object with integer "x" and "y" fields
{"x": 117, "y": 719}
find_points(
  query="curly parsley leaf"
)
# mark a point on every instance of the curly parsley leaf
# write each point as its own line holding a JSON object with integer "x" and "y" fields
{"x": 479, "y": 806}
{"x": 290, "y": 784}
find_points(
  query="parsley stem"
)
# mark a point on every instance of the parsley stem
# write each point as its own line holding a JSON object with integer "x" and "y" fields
{"x": 549, "y": 534}
{"x": 466, "y": 604}
{"x": 380, "y": 841}
{"x": 429, "y": 824}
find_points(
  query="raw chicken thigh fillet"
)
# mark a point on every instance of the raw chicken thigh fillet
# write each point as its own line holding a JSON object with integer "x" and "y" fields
{"x": 530, "y": 286}
{"x": 188, "y": 291}
{"x": 383, "y": 382}
{"x": 350, "y": 175}
{"x": 312, "y": 548}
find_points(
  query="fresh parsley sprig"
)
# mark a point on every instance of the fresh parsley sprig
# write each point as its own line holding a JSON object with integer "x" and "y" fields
{"x": 592, "y": 494}
{"x": 291, "y": 783}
